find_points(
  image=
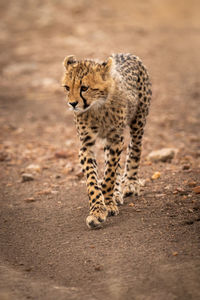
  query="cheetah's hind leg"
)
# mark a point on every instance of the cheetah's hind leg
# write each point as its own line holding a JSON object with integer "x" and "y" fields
{"x": 117, "y": 194}
{"x": 131, "y": 183}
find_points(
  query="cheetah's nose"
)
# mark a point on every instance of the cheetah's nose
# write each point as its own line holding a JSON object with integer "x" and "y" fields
{"x": 73, "y": 104}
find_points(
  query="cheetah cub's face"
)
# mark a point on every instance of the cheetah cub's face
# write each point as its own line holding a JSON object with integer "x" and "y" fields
{"x": 87, "y": 83}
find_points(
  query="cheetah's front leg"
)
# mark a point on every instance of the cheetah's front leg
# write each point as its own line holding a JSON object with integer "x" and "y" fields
{"x": 98, "y": 211}
{"x": 109, "y": 187}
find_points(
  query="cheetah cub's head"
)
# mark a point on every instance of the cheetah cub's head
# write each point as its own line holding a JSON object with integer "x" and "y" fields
{"x": 86, "y": 82}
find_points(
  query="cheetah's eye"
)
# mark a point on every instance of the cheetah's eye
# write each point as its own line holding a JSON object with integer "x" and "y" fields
{"x": 67, "y": 87}
{"x": 84, "y": 88}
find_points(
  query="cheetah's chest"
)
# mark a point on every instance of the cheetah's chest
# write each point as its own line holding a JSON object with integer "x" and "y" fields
{"x": 110, "y": 124}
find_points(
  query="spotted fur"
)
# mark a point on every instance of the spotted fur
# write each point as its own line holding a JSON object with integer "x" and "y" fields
{"x": 106, "y": 97}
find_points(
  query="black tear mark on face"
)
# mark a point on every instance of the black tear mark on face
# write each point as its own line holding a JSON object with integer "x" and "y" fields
{"x": 82, "y": 90}
{"x": 84, "y": 100}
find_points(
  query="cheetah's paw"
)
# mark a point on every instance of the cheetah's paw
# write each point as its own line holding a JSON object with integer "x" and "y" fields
{"x": 118, "y": 199}
{"x": 131, "y": 188}
{"x": 112, "y": 209}
{"x": 97, "y": 217}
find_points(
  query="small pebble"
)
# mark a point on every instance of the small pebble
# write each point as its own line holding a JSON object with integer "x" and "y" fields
{"x": 61, "y": 154}
{"x": 54, "y": 192}
{"x": 98, "y": 268}
{"x": 164, "y": 155}
{"x": 31, "y": 199}
{"x": 185, "y": 167}
{"x": 79, "y": 174}
{"x": 192, "y": 183}
{"x": 34, "y": 168}
{"x": 156, "y": 175}
{"x": 196, "y": 190}
{"x": 27, "y": 177}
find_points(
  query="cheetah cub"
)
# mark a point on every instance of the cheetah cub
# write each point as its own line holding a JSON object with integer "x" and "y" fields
{"x": 106, "y": 97}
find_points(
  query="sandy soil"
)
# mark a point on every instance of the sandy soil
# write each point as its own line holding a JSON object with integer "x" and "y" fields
{"x": 151, "y": 250}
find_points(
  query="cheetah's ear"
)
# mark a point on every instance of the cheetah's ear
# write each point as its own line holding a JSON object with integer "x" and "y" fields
{"x": 107, "y": 64}
{"x": 69, "y": 60}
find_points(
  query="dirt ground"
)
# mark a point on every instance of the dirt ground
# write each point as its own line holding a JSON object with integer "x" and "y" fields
{"x": 151, "y": 250}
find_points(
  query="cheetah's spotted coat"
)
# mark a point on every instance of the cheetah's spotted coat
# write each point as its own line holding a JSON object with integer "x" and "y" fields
{"x": 105, "y": 98}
